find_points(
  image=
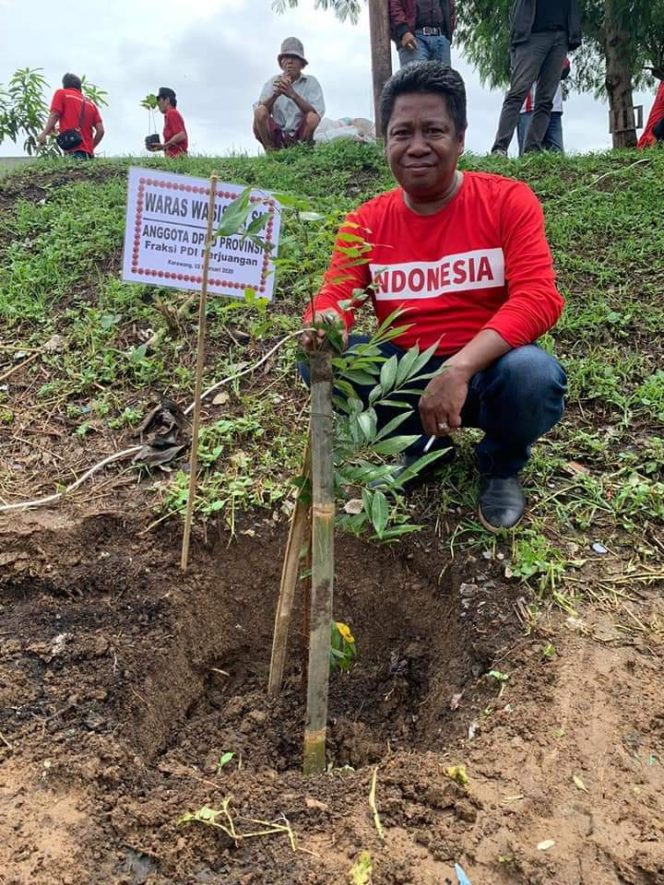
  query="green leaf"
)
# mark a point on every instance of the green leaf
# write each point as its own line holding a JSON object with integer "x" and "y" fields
{"x": 235, "y": 215}
{"x": 359, "y": 377}
{"x": 224, "y": 759}
{"x": 388, "y": 373}
{"x": 419, "y": 465}
{"x": 380, "y": 512}
{"x": 392, "y": 424}
{"x": 394, "y": 445}
{"x": 406, "y": 365}
{"x": 424, "y": 358}
{"x": 367, "y": 422}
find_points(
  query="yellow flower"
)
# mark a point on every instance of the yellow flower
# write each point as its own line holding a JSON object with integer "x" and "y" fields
{"x": 344, "y": 632}
{"x": 458, "y": 774}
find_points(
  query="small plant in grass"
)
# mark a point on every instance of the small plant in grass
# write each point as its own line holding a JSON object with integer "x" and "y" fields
{"x": 343, "y": 649}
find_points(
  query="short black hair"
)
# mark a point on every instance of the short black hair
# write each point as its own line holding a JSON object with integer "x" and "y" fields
{"x": 426, "y": 77}
{"x": 165, "y": 92}
{"x": 71, "y": 81}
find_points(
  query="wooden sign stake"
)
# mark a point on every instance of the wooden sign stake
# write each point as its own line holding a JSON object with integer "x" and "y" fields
{"x": 322, "y": 560}
{"x": 200, "y": 362}
{"x": 297, "y": 537}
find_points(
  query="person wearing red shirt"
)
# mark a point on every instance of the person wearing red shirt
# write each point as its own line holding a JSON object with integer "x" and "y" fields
{"x": 654, "y": 131}
{"x": 465, "y": 257}
{"x": 70, "y": 109}
{"x": 175, "y": 137}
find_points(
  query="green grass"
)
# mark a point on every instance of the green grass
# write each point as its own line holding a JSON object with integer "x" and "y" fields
{"x": 598, "y": 475}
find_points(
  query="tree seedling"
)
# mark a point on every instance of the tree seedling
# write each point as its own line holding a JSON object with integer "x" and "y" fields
{"x": 150, "y": 105}
{"x": 224, "y": 759}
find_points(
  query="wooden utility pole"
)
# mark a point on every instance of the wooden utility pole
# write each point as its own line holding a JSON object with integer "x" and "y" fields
{"x": 381, "y": 52}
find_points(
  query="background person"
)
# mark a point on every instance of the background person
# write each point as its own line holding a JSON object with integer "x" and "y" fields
{"x": 175, "y": 139}
{"x": 290, "y": 106}
{"x": 70, "y": 109}
{"x": 542, "y": 32}
{"x": 654, "y": 130}
{"x": 553, "y": 137}
{"x": 422, "y": 29}
{"x": 465, "y": 257}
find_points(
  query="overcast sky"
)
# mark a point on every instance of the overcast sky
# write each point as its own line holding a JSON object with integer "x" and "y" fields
{"x": 216, "y": 54}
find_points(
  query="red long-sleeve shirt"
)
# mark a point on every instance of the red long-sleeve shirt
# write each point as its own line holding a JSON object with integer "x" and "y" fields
{"x": 656, "y": 114}
{"x": 481, "y": 262}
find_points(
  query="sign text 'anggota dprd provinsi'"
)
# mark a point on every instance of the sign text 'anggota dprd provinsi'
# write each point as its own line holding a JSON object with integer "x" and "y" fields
{"x": 167, "y": 218}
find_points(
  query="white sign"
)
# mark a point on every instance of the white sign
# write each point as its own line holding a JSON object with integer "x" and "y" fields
{"x": 165, "y": 230}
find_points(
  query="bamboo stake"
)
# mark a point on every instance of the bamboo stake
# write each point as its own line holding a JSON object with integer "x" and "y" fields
{"x": 200, "y": 362}
{"x": 297, "y": 537}
{"x": 322, "y": 565}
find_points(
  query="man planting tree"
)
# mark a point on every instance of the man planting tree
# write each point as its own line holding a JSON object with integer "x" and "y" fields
{"x": 80, "y": 127}
{"x": 465, "y": 258}
{"x": 290, "y": 106}
{"x": 175, "y": 137}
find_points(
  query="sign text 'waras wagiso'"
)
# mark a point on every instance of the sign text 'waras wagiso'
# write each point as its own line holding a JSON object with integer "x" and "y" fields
{"x": 167, "y": 218}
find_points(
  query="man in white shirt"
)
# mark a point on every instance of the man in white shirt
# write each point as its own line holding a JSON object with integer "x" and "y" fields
{"x": 291, "y": 105}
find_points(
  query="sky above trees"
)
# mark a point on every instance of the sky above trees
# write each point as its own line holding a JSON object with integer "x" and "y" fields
{"x": 216, "y": 54}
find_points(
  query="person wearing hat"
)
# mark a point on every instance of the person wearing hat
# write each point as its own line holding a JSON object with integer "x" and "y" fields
{"x": 291, "y": 105}
{"x": 175, "y": 137}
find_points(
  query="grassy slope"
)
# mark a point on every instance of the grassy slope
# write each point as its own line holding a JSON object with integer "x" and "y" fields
{"x": 594, "y": 478}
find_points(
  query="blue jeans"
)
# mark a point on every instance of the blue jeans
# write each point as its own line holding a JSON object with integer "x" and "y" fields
{"x": 553, "y": 138}
{"x": 514, "y": 401}
{"x": 428, "y": 49}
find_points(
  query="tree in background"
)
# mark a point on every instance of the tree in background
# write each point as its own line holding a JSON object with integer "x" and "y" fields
{"x": 623, "y": 46}
{"x": 24, "y": 107}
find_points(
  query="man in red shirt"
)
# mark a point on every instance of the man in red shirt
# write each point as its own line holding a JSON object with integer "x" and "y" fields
{"x": 70, "y": 109}
{"x": 175, "y": 136}
{"x": 465, "y": 256}
{"x": 654, "y": 131}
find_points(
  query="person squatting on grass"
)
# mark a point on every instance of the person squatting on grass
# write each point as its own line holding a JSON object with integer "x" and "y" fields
{"x": 175, "y": 139}
{"x": 70, "y": 109}
{"x": 465, "y": 256}
{"x": 290, "y": 106}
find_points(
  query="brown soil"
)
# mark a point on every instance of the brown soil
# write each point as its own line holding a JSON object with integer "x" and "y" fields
{"x": 122, "y": 682}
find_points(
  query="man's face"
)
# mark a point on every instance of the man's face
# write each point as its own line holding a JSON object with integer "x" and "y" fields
{"x": 292, "y": 66}
{"x": 163, "y": 104}
{"x": 423, "y": 145}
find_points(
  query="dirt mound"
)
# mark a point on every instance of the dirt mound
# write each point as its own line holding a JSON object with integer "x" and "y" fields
{"x": 124, "y": 682}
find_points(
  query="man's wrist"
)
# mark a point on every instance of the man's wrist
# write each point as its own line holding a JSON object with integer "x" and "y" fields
{"x": 460, "y": 366}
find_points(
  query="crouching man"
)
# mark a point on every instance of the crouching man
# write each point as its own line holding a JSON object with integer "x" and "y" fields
{"x": 465, "y": 258}
{"x": 291, "y": 105}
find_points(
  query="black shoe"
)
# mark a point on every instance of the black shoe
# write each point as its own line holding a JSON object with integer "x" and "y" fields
{"x": 405, "y": 462}
{"x": 501, "y": 502}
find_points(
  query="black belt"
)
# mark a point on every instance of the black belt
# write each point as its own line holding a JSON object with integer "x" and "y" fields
{"x": 430, "y": 32}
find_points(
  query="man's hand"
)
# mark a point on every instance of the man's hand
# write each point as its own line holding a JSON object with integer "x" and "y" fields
{"x": 314, "y": 340}
{"x": 408, "y": 41}
{"x": 284, "y": 86}
{"x": 41, "y": 138}
{"x": 155, "y": 147}
{"x": 442, "y": 401}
